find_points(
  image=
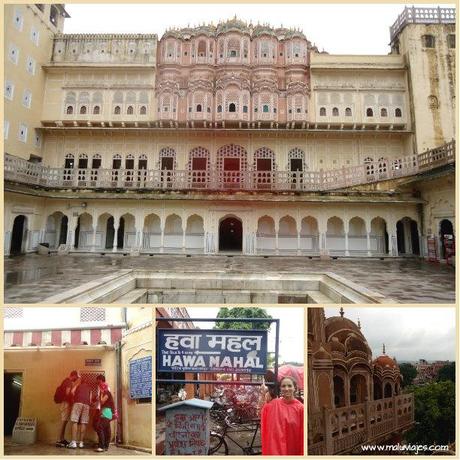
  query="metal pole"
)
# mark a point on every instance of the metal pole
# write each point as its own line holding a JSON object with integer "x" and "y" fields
{"x": 277, "y": 337}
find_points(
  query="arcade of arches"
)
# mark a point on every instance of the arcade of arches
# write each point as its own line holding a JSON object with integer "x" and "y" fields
{"x": 311, "y": 229}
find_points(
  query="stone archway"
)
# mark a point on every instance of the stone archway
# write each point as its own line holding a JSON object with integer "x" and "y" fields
{"x": 445, "y": 228}
{"x": 230, "y": 234}
{"x": 18, "y": 235}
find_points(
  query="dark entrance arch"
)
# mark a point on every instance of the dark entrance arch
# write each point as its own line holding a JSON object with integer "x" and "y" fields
{"x": 414, "y": 238}
{"x": 77, "y": 234}
{"x": 230, "y": 234}
{"x": 400, "y": 237}
{"x": 445, "y": 228}
{"x": 63, "y": 231}
{"x": 121, "y": 234}
{"x": 18, "y": 234}
{"x": 110, "y": 233}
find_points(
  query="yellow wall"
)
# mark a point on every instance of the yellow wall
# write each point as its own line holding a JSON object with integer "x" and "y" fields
{"x": 15, "y": 112}
{"x": 137, "y": 418}
{"x": 43, "y": 370}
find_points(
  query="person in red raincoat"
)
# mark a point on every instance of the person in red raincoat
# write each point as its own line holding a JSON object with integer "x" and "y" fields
{"x": 282, "y": 421}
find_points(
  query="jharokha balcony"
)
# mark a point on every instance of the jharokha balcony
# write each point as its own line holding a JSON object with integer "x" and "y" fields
{"x": 22, "y": 171}
{"x": 338, "y": 431}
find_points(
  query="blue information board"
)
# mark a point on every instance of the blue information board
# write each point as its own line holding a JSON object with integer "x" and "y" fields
{"x": 211, "y": 350}
{"x": 140, "y": 378}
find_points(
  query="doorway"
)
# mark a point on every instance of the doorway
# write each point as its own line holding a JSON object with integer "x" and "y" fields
{"x": 445, "y": 228}
{"x": 12, "y": 384}
{"x": 231, "y": 235}
{"x": 63, "y": 230}
{"x": 110, "y": 233}
{"x": 18, "y": 235}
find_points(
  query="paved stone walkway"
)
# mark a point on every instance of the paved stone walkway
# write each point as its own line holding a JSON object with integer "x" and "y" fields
{"x": 41, "y": 448}
{"x": 32, "y": 278}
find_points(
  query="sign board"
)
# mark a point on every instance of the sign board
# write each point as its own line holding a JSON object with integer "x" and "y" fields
{"x": 93, "y": 362}
{"x": 211, "y": 350}
{"x": 25, "y": 430}
{"x": 140, "y": 378}
{"x": 187, "y": 427}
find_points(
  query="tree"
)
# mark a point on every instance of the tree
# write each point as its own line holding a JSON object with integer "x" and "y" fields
{"x": 240, "y": 312}
{"x": 434, "y": 414}
{"x": 447, "y": 372}
{"x": 408, "y": 371}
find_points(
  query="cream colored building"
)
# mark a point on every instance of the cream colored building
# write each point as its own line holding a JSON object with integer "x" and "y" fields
{"x": 43, "y": 345}
{"x": 241, "y": 138}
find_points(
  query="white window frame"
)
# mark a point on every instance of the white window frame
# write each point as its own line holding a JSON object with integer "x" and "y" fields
{"x": 12, "y": 47}
{"x": 34, "y": 35}
{"x": 11, "y": 95}
{"x": 29, "y": 93}
{"x": 38, "y": 139}
{"x": 22, "y": 127}
{"x": 33, "y": 64}
{"x": 6, "y": 129}
{"x": 19, "y": 25}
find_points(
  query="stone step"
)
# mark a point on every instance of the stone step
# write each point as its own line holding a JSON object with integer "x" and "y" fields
{"x": 134, "y": 296}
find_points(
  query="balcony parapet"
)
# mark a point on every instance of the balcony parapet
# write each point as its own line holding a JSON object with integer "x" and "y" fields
{"x": 412, "y": 15}
{"x": 342, "y": 429}
{"x": 22, "y": 171}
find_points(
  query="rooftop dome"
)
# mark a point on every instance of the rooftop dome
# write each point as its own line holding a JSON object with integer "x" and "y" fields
{"x": 338, "y": 323}
{"x": 385, "y": 362}
{"x": 232, "y": 25}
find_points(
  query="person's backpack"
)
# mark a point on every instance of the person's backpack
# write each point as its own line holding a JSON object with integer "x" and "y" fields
{"x": 60, "y": 393}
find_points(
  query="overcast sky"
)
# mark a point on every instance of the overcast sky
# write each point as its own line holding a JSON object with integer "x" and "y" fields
{"x": 338, "y": 29}
{"x": 408, "y": 333}
{"x": 292, "y": 341}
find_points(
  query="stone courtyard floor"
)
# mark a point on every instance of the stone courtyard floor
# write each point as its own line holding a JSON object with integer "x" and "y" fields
{"x": 32, "y": 278}
{"x": 41, "y": 448}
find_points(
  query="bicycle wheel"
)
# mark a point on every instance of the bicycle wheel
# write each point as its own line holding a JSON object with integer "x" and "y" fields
{"x": 217, "y": 444}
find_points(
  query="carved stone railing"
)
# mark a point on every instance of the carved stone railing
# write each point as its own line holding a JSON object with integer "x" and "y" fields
{"x": 22, "y": 171}
{"x": 338, "y": 431}
{"x": 412, "y": 15}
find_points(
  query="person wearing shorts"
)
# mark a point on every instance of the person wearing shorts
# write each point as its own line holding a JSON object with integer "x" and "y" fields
{"x": 79, "y": 416}
{"x": 66, "y": 407}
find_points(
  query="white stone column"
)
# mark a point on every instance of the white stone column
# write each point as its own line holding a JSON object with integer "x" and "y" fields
{"x": 93, "y": 248}
{"x": 115, "y": 235}
{"x": 71, "y": 236}
{"x": 299, "y": 228}
{"x": 346, "y": 228}
{"x": 184, "y": 228}
{"x": 277, "y": 229}
{"x": 368, "y": 238}
{"x": 393, "y": 239}
{"x": 162, "y": 237}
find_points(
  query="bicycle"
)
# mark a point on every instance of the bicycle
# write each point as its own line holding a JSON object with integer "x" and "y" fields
{"x": 218, "y": 440}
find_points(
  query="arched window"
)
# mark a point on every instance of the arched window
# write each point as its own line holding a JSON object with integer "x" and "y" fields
{"x": 265, "y": 108}
{"x": 69, "y": 110}
{"x": 117, "y": 110}
{"x": 398, "y": 113}
{"x": 232, "y": 107}
{"x": 245, "y": 109}
{"x": 201, "y": 48}
{"x": 335, "y": 112}
{"x": 143, "y": 110}
{"x": 322, "y": 112}
{"x": 83, "y": 110}
{"x": 369, "y": 112}
{"x": 130, "y": 110}
{"x": 383, "y": 112}
{"x": 348, "y": 112}
{"x": 219, "y": 109}
{"x": 96, "y": 110}
{"x": 198, "y": 108}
